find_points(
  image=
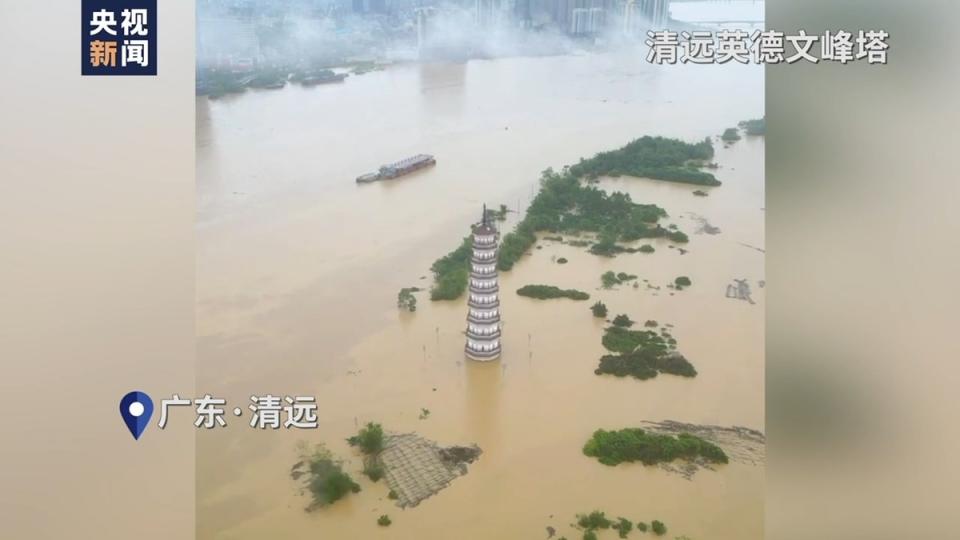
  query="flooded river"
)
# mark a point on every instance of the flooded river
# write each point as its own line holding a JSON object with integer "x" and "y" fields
{"x": 298, "y": 269}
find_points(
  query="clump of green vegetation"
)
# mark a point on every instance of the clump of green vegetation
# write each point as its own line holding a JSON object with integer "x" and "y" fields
{"x": 406, "y": 300}
{"x": 373, "y": 469}
{"x": 384, "y": 521}
{"x": 641, "y": 526}
{"x": 622, "y": 340}
{"x": 609, "y": 278}
{"x": 593, "y": 520}
{"x": 635, "y": 444}
{"x": 392, "y": 495}
{"x": 646, "y": 248}
{"x": 623, "y": 527}
{"x": 544, "y": 292}
{"x": 658, "y": 527}
{"x": 325, "y": 479}
{"x": 754, "y": 127}
{"x": 562, "y": 260}
{"x": 643, "y": 354}
{"x": 650, "y": 323}
{"x": 652, "y": 157}
{"x": 424, "y": 413}
{"x": 730, "y": 135}
{"x": 681, "y": 282}
{"x": 623, "y": 321}
{"x": 700, "y": 193}
{"x": 553, "y": 238}
{"x": 589, "y": 535}
{"x": 370, "y": 439}
{"x": 515, "y": 244}
{"x": 645, "y": 365}
{"x": 678, "y": 237}
{"x": 450, "y": 272}
{"x": 599, "y": 309}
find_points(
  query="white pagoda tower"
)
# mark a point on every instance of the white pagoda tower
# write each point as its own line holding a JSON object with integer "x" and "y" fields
{"x": 483, "y": 315}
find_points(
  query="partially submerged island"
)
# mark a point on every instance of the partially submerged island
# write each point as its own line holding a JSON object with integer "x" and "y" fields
{"x": 658, "y": 158}
{"x": 544, "y": 292}
{"x": 641, "y": 354}
{"x": 636, "y": 444}
{"x": 730, "y": 135}
{"x": 414, "y": 467}
{"x": 567, "y": 204}
{"x": 754, "y": 127}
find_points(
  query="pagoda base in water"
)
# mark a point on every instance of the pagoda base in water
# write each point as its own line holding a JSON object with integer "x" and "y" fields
{"x": 482, "y": 356}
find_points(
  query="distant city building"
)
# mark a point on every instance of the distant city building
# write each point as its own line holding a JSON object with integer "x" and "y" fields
{"x": 369, "y": 6}
{"x": 493, "y": 12}
{"x": 574, "y": 17}
{"x": 657, "y": 12}
{"x": 587, "y": 20}
{"x": 483, "y": 303}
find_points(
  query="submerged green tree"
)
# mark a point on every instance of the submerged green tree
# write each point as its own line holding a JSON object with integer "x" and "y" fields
{"x": 406, "y": 300}
{"x": 370, "y": 439}
{"x": 325, "y": 479}
{"x": 450, "y": 272}
{"x": 599, "y": 309}
{"x": 754, "y": 127}
{"x": 623, "y": 527}
{"x": 730, "y": 135}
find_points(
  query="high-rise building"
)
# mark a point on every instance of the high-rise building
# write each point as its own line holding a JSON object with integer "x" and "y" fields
{"x": 657, "y": 12}
{"x": 483, "y": 303}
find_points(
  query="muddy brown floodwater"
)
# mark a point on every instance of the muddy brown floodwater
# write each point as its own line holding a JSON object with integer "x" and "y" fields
{"x": 298, "y": 270}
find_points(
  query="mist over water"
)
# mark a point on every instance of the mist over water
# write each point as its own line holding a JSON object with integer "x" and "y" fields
{"x": 337, "y": 31}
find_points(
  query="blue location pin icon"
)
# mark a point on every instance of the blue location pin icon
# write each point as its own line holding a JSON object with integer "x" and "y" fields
{"x": 136, "y": 408}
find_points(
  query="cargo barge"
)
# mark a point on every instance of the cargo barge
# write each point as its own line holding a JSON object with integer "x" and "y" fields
{"x": 400, "y": 168}
{"x": 324, "y": 76}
